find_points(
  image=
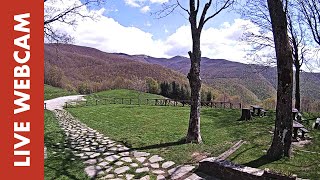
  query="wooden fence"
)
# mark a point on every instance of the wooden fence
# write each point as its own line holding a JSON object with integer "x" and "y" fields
{"x": 154, "y": 102}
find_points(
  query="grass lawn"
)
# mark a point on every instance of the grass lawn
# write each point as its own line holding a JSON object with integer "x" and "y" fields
{"x": 59, "y": 163}
{"x": 158, "y": 129}
{"x": 54, "y": 92}
{"x": 123, "y": 93}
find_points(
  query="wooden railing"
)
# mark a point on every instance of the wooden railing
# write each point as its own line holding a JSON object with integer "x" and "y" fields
{"x": 153, "y": 101}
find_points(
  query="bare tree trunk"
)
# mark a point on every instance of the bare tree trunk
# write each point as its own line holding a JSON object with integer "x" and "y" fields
{"x": 193, "y": 134}
{"x": 281, "y": 143}
{"x": 297, "y": 93}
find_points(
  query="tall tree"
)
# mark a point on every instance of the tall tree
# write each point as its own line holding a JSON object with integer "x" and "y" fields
{"x": 281, "y": 143}
{"x": 257, "y": 12}
{"x": 193, "y": 134}
{"x": 213, "y": 8}
{"x": 298, "y": 42}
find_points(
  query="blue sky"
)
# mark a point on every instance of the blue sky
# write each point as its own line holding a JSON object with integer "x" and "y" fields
{"x": 128, "y": 15}
{"x": 127, "y": 26}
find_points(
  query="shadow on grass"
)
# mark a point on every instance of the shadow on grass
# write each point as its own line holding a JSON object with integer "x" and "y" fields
{"x": 263, "y": 160}
{"x": 60, "y": 162}
{"x": 162, "y": 145}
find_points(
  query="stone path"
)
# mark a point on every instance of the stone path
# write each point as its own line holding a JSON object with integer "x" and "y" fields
{"x": 107, "y": 159}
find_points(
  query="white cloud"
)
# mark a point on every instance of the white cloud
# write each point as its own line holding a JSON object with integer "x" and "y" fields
{"x": 159, "y": 1}
{"x": 140, "y": 3}
{"x": 108, "y": 35}
{"x": 223, "y": 42}
{"x": 134, "y": 3}
{"x": 145, "y": 9}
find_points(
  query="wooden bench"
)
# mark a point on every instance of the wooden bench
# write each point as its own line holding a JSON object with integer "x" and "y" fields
{"x": 303, "y": 131}
{"x": 263, "y": 112}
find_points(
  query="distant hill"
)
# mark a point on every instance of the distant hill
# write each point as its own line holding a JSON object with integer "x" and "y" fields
{"x": 253, "y": 83}
{"x": 87, "y": 69}
{"x": 229, "y": 80}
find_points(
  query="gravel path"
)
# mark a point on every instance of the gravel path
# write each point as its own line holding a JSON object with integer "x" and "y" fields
{"x": 59, "y": 102}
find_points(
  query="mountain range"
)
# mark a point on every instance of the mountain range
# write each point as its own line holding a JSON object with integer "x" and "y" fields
{"x": 250, "y": 83}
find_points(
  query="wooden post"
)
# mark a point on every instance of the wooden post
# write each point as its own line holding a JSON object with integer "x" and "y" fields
{"x": 66, "y": 104}
{"x": 45, "y": 105}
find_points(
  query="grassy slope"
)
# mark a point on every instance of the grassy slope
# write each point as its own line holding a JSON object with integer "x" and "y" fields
{"x": 122, "y": 93}
{"x": 158, "y": 129}
{"x": 53, "y": 92}
{"x": 59, "y": 163}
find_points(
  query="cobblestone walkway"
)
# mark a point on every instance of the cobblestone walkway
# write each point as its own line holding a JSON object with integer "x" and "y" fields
{"x": 107, "y": 159}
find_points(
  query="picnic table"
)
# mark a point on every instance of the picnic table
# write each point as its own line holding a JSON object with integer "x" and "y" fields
{"x": 257, "y": 110}
{"x": 296, "y": 127}
{"x": 294, "y": 113}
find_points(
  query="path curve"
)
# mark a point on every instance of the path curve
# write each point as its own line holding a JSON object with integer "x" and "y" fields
{"x": 58, "y": 103}
{"x": 107, "y": 159}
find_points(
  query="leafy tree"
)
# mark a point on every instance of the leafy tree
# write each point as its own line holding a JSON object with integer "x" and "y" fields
{"x": 152, "y": 85}
{"x": 84, "y": 88}
{"x": 175, "y": 90}
{"x": 54, "y": 76}
{"x": 209, "y": 96}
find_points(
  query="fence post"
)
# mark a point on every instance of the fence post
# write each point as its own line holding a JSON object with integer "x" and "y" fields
{"x": 66, "y": 104}
{"x": 45, "y": 105}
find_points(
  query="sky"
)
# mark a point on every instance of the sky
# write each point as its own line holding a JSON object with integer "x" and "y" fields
{"x": 131, "y": 27}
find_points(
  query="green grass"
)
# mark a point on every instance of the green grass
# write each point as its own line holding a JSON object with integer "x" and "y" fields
{"x": 59, "y": 163}
{"x": 158, "y": 129}
{"x": 121, "y": 96}
{"x": 51, "y": 92}
{"x": 123, "y": 93}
